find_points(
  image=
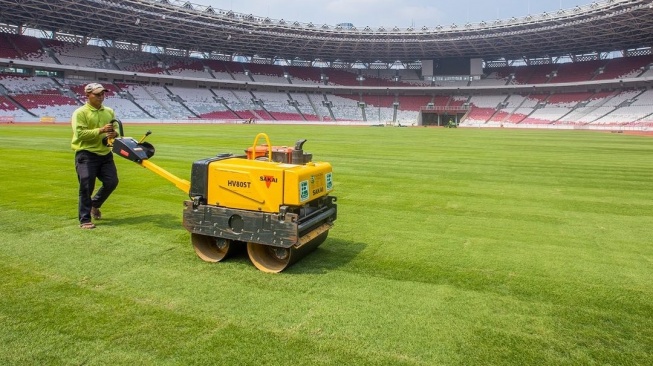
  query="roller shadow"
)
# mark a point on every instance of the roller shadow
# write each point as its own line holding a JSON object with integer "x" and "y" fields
{"x": 330, "y": 255}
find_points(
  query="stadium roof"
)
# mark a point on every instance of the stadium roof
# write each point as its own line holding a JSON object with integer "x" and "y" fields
{"x": 604, "y": 26}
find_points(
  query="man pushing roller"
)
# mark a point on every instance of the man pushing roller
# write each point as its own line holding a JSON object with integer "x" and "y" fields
{"x": 93, "y": 159}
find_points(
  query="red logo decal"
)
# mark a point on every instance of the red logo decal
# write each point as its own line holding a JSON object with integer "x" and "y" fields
{"x": 268, "y": 179}
{"x": 124, "y": 153}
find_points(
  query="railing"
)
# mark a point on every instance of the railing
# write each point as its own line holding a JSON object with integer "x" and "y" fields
{"x": 444, "y": 108}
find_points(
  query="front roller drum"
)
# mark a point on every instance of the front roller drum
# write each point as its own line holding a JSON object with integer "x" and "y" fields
{"x": 210, "y": 248}
{"x": 275, "y": 259}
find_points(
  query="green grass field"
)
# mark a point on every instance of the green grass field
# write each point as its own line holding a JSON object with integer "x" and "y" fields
{"x": 452, "y": 247}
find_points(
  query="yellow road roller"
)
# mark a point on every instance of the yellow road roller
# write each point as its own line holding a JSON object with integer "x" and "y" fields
{"x": 273, "y": 199}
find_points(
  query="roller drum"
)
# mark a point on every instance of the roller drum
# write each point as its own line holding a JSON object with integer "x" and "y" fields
{"x": 275, "y": 259}
{"x": 212, "y": 249}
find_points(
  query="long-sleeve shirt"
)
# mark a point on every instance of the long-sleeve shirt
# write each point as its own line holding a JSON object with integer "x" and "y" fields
{"x": 86, "y": 123}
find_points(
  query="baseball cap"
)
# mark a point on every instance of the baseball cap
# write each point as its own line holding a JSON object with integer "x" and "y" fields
{"x": 94, "y": 88}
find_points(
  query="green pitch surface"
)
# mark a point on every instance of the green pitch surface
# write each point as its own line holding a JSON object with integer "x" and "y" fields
{"x": 452, "y": 247}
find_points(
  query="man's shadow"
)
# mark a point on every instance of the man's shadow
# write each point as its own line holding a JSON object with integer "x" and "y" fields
{"x": 163, "y": 221}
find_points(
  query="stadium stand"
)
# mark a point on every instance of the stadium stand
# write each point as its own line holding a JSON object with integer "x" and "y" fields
{"x": 311, "y": 107}
{"x": 624, "y": 67}
{"x": 305, "y": 75}
{"x": 134, "y": 61}
{"x": 152, "y": 86}
{"x": 345, "y": 109}
{"x": 414, "y": 102}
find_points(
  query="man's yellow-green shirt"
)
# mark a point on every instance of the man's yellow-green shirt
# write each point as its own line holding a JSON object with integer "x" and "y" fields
{"x": 86, "y": 123}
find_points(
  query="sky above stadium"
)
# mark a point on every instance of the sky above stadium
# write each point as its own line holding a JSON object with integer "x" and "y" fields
{"x": 390, "y": 13}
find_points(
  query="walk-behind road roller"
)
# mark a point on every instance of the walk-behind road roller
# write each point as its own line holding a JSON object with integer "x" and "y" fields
{"x": 273, "y": 199}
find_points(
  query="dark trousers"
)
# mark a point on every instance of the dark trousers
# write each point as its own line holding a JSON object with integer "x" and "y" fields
{"x": 89, "y": 167}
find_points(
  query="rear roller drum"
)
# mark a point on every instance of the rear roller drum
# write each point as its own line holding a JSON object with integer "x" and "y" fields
{"x": 275, "y": 259}
{"x": 211, "y": 249}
